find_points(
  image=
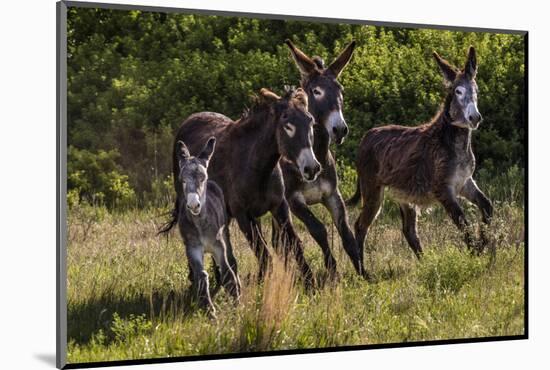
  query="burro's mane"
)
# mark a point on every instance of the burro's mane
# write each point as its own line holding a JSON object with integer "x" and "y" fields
{"x": 260, "y": 104}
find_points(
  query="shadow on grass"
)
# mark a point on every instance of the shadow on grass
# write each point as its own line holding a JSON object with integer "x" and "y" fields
{"x": 86, "y": 319}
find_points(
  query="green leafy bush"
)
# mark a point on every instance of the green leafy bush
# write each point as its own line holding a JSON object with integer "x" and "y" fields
{"x": 504, "y": 186}
{"x": 95, "y": 177}
{"x": 347, "y": 178}
{"x": 133, "y": 77}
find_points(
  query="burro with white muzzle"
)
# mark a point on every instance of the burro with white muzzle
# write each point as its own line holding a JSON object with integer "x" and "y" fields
{"x": 324, "y": 91}
{"x": 433, "y": 162}
{"x": 203, "y": 224}
{"x": 326, "y": 101}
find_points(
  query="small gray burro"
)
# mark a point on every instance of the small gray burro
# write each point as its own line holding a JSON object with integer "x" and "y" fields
{"x": 203, "y": 224}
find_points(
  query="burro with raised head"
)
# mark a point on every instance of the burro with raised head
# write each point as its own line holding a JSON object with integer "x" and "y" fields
{"x": 433, "y": 162}
{"x": 246, "y": 165}
{"x": 326, "y": 101}
{"x": 203, "y": 223}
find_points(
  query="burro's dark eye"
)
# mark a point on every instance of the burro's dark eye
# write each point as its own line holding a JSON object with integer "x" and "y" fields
{"x": 317, "y": 91}
{"x": 284, "y": 116}
{"x": 458, "y": 91}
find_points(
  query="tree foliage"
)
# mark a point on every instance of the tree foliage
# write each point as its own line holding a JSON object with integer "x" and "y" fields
{"x": 134, "y": 76}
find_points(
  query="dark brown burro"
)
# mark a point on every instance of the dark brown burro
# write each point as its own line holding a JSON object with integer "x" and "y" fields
{"x": 326, "y": 104}
{"x": 433, "y": 162}
{"x": 246, "y": 165}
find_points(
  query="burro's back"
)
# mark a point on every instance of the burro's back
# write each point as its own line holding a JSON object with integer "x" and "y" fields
{"x": 408, "y": 160}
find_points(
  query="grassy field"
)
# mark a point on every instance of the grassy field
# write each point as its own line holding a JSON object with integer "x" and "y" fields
{"x": 127, "y": 289}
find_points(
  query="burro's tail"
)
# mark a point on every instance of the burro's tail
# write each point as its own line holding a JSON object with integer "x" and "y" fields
{"x": 166, "y": 227}
{"x": 357, "y": 196}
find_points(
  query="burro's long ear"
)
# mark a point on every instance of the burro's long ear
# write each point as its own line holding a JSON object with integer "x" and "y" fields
{"x": 182, "y": 152}
{"x": 305, "y": 64}
{"x": 342, "y": 61}
{"x": 470, "y": 68}
{"x": 449, "y": 72}
{"x": 269, "y": 95}
{"x": 208, "y": 150}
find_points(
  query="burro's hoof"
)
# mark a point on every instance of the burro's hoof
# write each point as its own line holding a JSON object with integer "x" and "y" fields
{"x": 367, "y": 276}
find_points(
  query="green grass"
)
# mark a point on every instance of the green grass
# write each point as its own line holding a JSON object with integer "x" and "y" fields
{"x": 127, "y": 290}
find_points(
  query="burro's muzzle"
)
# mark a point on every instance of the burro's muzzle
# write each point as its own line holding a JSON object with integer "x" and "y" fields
{"x": 336, "y": 126}
{"x": 193, "y": 203}
{"x": 308, "y": 164}
{"x": 472, "y": 115}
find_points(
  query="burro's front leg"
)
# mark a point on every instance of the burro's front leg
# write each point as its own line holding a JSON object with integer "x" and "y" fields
{"x": 337, "y": 208}
{"x": 449, "y": 201}
{"x": 291, "y": 243}
{"x": 195, "y": 256}
{"x": 223, "y": 256}
{"x": 253, "y": 232}
{"x": 315, "y": 228}
{"x": 471, "y": 192}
